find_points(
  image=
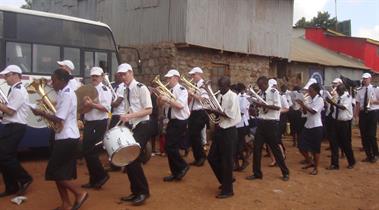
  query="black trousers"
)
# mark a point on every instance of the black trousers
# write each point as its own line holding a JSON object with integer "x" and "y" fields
{"x": 367, "y": 127}
{"x": 196, "y": 123}
{"x": 221, "y": 155}
{"x": 11, "y": 169}
{"x": 341, "y": 138}
{"x": 93, "y": 133}
{"x": 267, "y": 132}
{"x": 175, "y": 131}
{"x": 137, "y": 178}
{"x": 114, "y": 120}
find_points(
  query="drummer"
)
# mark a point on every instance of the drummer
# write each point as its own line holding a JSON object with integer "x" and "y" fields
{"x": 138, "y": 108}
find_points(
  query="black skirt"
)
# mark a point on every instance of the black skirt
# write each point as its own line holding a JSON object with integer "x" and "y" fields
{"x": 310, "y": 140}
{"x": 62, "y": 162}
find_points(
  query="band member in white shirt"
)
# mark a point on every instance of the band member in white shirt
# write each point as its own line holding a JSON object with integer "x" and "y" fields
{"x": 341, "y": 138}
{"x": 138, "y": 109}
{"x": 118, "y": 106}
{"x": 177, "y": 111}
{"x": 68, "y": 66}
{"x": 95, "y": 124}
{"x": 268, "y": 129}
{"x": 295, "y": 118}
{"x": 221, "y": 153}
{"x": 198, "y": 118}
{"x": 16, "y": 179}
{"x": 311, "y": 136}
{"x": 62, "y": 163}
{"x": 367, "y": 109}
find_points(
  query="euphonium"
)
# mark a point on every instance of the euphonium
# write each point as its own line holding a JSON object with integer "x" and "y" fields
{"x": 161, "y": 89}
{"x": 211, "y": 104}
{"x": 37, "y": 86}
{"x": 188, "y": 85}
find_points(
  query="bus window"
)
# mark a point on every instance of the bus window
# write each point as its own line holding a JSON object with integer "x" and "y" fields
{"x": 45, "y": 58}
{"x": 101, "y": 60}
{"x": 1, "y": 24}
{"x": 88, "y": 64}
{"x": 19, "y": 54}
{"x": 114, "y": 65}
{"x": 73, "y": 54}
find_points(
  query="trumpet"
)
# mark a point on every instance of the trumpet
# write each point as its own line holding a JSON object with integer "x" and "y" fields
{"x": 188, "y": 85}
{"x": 37, "y": 86}
{"x": 161, "y": 89}
{"x": 107, "y": 83}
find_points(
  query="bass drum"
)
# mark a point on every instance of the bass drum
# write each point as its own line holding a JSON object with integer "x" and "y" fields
{"x": 37, "y": 121}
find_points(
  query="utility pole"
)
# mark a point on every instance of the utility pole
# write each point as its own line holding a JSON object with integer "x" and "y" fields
{"x": 335, "y": 10}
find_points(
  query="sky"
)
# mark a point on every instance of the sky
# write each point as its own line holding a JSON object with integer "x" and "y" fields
{"x": 364, "y": 14}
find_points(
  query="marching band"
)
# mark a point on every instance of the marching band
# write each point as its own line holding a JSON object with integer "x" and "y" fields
{"x": 188, "y": 105}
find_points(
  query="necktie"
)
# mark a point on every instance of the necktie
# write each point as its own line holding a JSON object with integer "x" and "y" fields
{"x": 9, "y": 91}
{"x": 128, "y": 95}
{"x": 169, "y": 109}
{"x": 365, "y": 101}
{"x": 337, "y": 109}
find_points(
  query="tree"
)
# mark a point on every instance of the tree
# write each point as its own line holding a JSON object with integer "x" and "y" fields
{"x": 27, "y": 5}
{"x": 321, "y": 20}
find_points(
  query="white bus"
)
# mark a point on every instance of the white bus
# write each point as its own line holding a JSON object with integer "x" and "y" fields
{"x": 36, "y": 40}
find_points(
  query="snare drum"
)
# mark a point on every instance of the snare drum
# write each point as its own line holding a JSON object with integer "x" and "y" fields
{"x": 121, "y": 146}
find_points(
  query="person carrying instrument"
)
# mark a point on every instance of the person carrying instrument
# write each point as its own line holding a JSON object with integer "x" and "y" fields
{"x": 177, "y": 112}
{"x": 341, "y": 138}
{"x": 68, "y": 66}
{"x": 221, "y": 153}
{"x": 61, "y": 167}
{"x": 268, "y": 129}
{"x": 138, "y": 109}
{"x": 95, "y": 125}
{"x": 367, "y": 109}
{"x": 198, "y": 118}
{"x": 16, "y": 178}
{"x": 118, "y": 106}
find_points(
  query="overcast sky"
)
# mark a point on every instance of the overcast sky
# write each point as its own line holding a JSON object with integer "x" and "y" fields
{"x": 364, "y": 14}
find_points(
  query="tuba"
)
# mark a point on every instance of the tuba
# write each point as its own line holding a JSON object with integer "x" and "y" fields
{"x": 211, "y": 104}
{"x": 107, "y": 83}
{"x": 37, "y": 86}
{"x": 188, "y": 85}
{"x": 161, "y": 89}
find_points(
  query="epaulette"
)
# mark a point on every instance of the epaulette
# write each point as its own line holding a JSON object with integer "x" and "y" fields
{"x": 139, "y": 85}
{"x": 182, "y": 88}
{"x": 105, "y": 88}
{"x": 374, "y": 86}
{"x": 67, "y": 90}
{"x": 18, "y": 86}
{"x": 273, "y": 90}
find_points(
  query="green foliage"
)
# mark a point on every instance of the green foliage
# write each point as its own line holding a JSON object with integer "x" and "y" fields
{"x": 322, "y": 19}
{"x": 27, "y": 5}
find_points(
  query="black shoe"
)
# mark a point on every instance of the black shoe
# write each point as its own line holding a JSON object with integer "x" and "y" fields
{"x": 128, "y": 198}
{"x": 4, "y": 194}
{"x": 350, "y": 166}
{"x": 140, "y": 199}
{"x": 24, "y": 187}
{"x": 253, "y": 177}
{"x": 100, "y": 183}
{"x": 88, "y": 186}
{"x": 182, "y": 173}
{"x": 286, "y": 177}
{"x": 220, "y": 187}
{"x": 332, "y": 167}
{"x": 169, "y": 178}
{"x": 224, "y": 195}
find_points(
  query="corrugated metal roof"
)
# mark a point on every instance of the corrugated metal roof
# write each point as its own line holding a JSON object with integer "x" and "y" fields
{"x": 308, "y": 52}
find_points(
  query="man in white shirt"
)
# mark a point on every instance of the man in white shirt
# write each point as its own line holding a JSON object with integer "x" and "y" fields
{"x": 95, "y": 124}
{"x": 177, "y": 111}
{"x": 68, "y": 66}
{"x": 341, "y": 138}
{"x": 366, "y": 108}
{"x": 242, "y": 128}
{"x": 138, "y": 109}
{"x": 16, "y": 179}
{"x": 118, "y": 106}
{"x": 198, "y": 118}
{"x": 268, "y": 129}
{"x": 220, "y": 155}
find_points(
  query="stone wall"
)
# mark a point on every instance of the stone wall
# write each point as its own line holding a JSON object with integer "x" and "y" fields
{"x": 159, "y": 58}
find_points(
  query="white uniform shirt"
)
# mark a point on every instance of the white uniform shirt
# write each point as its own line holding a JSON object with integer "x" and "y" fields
{"x": 230, "y": 105}
{"x": 289, "y": 99}
{"x": 373, "y": 94}
{"x": 272, "y": 97}
{"x": 295, "y": 95}
{"x": 17, "y": 98}
{"x": 66, "y": 110}
{"x": 140, "y": 99}
{"x": 105, "y": 99}
{"x": 314, "y": 120}
{"x": 195, "y": 104}
{"x": 284, "y": 102}
{"x": 74, "y": 84}
{"x": 181, "y": 96}
{"x": 346, "y": 101}
{"x": 120, "y": 92}
{"x": 244, "y": 107}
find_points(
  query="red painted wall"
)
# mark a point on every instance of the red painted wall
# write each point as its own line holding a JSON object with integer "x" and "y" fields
{"x": 356, "y": 47}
